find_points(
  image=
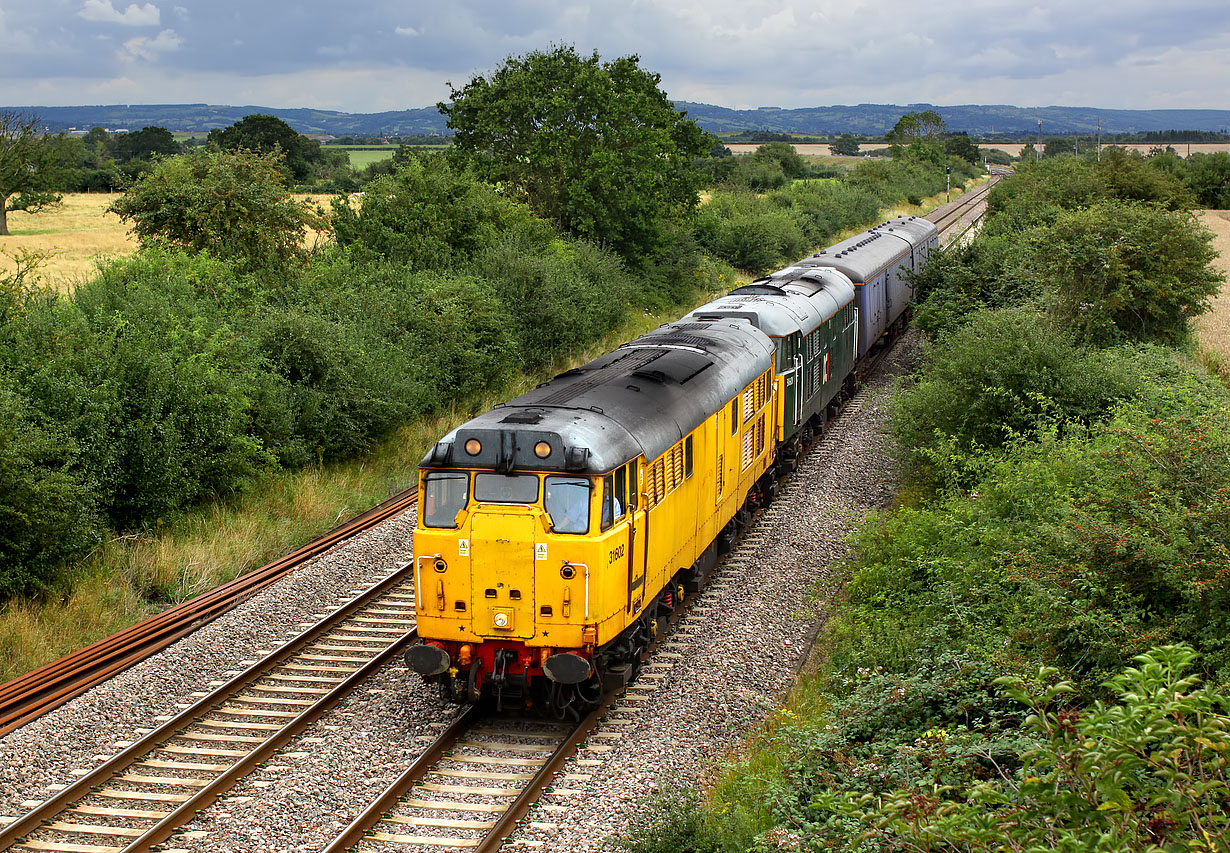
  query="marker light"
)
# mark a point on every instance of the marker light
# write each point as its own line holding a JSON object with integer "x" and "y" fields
{"x": 474, "y": 447}
{"x": 542, "y": 450}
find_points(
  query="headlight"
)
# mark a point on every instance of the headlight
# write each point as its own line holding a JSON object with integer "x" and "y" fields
{"x": 474, "y": 447}
{"x": 542, "y": 450}
{"x": 501, "y": 620}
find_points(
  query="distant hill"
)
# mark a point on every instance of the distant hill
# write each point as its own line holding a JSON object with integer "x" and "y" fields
{"x": 868, "y": 119}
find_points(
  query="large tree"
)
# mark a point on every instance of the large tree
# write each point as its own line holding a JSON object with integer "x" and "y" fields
{"x": 595, "y": 147}
{"x": 145, "y": 144}
{"x": 266, "y": 134}
{"x": 29, "y": 162}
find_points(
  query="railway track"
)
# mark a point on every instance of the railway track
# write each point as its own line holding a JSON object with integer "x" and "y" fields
{"x": 478, "y": 779}
{"x": 139, "y": 797}
{"x": 956, "y": 218}
{"x": 40, "y": 690}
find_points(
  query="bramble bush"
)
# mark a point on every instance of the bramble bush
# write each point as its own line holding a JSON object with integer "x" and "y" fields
{"x": 1149, "y": 770}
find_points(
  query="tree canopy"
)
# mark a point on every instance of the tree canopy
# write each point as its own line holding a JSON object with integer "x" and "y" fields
{"x": 29, "y": 160}
{"x": 595, "y": 147}
{"x": 233, "y": 204}
{"x": 144, "y": 144}
{"x": 266, "y": 134}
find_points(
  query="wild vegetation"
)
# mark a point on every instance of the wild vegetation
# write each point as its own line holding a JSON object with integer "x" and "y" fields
{"x": 1033, "y": 652}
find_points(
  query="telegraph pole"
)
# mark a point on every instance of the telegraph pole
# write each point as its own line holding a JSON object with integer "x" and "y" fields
{"x": 1099, "y": 139}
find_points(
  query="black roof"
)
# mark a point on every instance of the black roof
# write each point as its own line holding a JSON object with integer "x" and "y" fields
{"x": 638, "y": 400}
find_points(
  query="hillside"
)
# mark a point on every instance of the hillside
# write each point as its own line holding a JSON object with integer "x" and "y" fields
{"x": 869, "y": 119}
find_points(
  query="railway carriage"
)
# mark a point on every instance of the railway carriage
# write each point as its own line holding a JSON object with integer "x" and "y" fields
{"x": 556, "y": 531}
{"x": 876, "y": 262}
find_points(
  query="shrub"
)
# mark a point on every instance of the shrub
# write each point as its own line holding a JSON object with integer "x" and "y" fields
{"x": 231, "y": 204}
{"x": 1124, "y": 271}
{"x": 1146, "y": 772}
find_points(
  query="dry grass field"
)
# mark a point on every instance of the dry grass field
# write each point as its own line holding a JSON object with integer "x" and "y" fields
{"x": 1014, "y": 148}
{"x": 77, "y": 234}
{"x": 1214, "y": 327}
{"x": 74, "y": 235}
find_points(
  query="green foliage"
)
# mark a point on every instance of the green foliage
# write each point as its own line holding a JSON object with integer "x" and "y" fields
{"x": 48, "y": 512}
{"x": 750, "y": 232}
{"x": 1208, "y": 175}
{"x": 233, "y": 205}
{"x": 1004, "y": 374}
{"x": 960, "y": 145}
{"x": 784, "y": 155}
{"x": 1038, "y": 191}
{"x": 428, "y": 215}
{"x": 1146, "y": 772}
{"x": 266, "y": 134}
{"x": 596, "y": 148}
{"x": 147, "y": 143}
{"x": 1125, "y": 272}
{"x": 846, "y": 145}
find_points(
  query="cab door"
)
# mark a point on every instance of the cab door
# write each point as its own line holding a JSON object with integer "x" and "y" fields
{"x": 638, "y": 539}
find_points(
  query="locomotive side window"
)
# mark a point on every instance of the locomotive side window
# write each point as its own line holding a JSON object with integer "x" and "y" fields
{"x": 444, "y": 495}
{"x": 734, "y": 416}
{"x": 621, "y": 490}
{"x": 687, "y": 457}
{"x": 567, "y": 502}
{"x": 614, "y": 496}
{"x": 506, "y": 488}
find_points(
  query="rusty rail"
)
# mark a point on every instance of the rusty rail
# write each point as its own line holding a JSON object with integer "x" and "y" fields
{"x": 51, "y": 685}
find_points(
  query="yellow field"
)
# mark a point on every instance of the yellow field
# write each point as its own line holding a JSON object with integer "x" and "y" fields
{"x": 77, "y": 234}
{"x": 1214, "y": 327}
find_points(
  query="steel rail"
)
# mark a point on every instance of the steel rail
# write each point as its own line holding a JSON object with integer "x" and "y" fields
{"x": 150, "y": 742}
{"x": 29, "y": 696}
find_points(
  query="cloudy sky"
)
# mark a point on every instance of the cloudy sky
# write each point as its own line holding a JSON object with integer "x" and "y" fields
{"x": 374, "y": 55}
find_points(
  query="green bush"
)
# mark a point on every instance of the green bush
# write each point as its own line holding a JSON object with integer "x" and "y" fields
{"x": 234, "y": 205}
{"x": 1005, "y": 375}
{"x": 428, "y": 215}
{"x": 751, "y": 232}
{"x": 48, "y": 513}
{"x": 1124, "y": 271}
{"x": 1145, "y": 772}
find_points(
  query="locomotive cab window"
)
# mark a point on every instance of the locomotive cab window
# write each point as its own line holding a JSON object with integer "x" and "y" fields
{"x": 445, "y": 493}
{"x": 614, "y": 497}
{"x": 567, "y": 502}
{"x": 506, "y": 488}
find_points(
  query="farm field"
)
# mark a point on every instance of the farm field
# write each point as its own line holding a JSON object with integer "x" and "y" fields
{"x": 1013, "y": 148}
{"x": 1214, "y": 327}
{"x": 363, "y": 156}
{"x": 78, "y": 234}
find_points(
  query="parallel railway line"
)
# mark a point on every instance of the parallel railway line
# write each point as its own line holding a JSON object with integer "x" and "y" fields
{"x": 139, "y": 797}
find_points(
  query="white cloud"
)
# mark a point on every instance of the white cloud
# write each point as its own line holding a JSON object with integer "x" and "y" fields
{"x": 149, "y": 49}
{"x": 407, "y": 31}
{"x": 133, "y": 16}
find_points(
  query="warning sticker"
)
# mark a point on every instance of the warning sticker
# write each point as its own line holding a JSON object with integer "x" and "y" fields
{"x": 463, "y": 547}
{"x": 540, "y": 550}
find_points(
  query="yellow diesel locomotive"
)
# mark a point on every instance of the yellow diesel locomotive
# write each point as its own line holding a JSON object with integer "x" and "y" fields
{"x": 558, "y": 531}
